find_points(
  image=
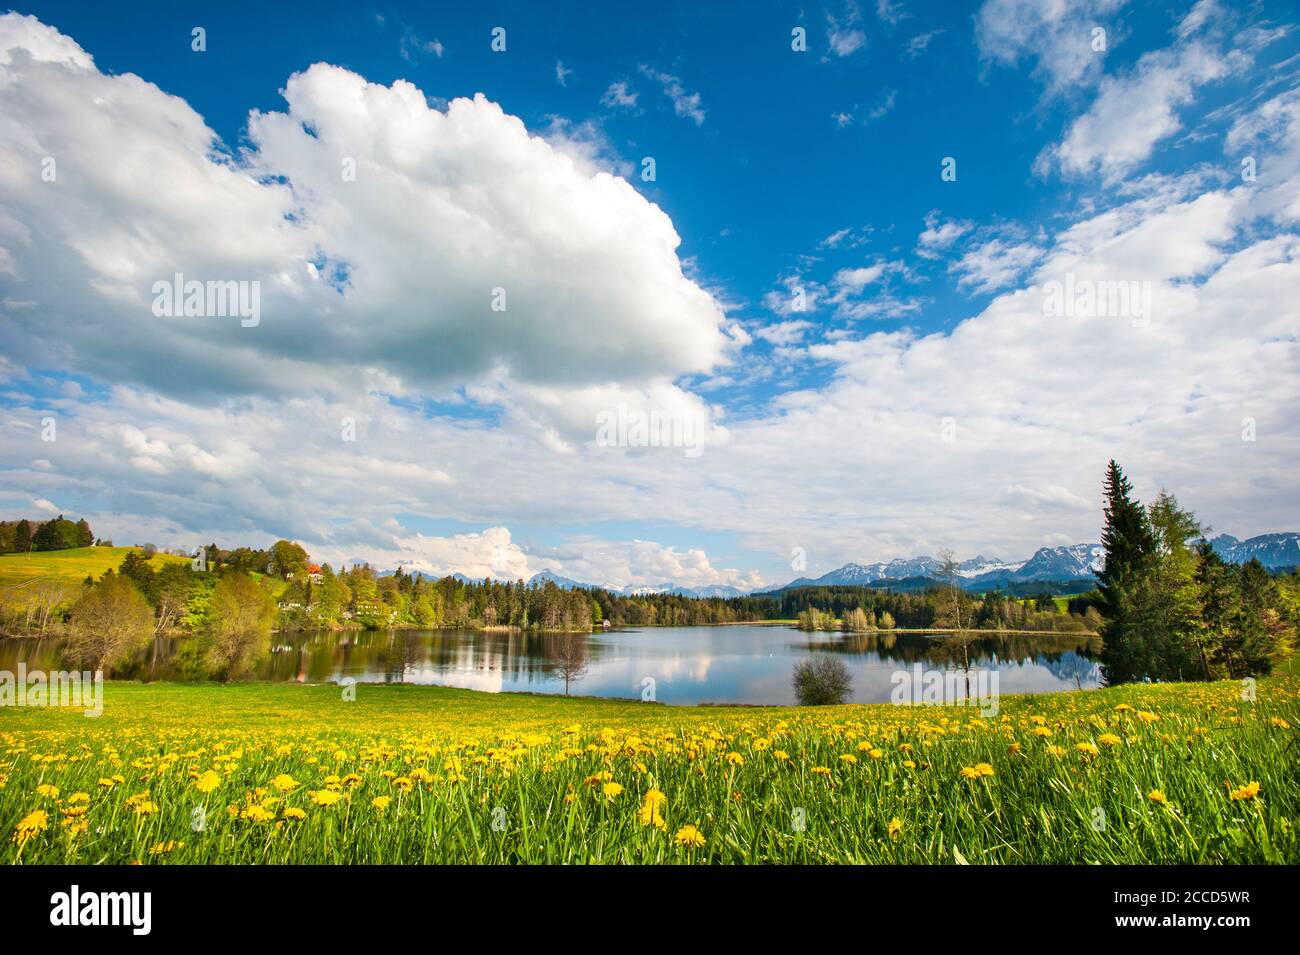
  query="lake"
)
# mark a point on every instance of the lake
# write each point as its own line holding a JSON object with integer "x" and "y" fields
{"x": 688, "y": 665}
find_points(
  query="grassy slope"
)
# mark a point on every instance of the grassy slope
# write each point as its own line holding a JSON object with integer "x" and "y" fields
{"x": 69, "y": 565}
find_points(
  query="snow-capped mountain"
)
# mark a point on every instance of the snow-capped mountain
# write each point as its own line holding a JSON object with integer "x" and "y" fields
{"x": 635, "y": 590}
{"x": 1271, "y": 550}
{"x": 1072, "y": 562}
{"x": 1067, "y": 563}
{"x": 564, "y": 583}
{"x": 1062, "y": 563}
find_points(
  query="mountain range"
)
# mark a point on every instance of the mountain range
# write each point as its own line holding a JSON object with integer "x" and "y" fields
{"x": 1072, "y": 562}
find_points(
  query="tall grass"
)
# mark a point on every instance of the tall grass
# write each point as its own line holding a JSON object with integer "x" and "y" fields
{"x": 470, "y": 777}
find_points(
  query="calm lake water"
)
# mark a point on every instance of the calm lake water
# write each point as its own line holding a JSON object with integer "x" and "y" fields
{"x": 689, "y": 665}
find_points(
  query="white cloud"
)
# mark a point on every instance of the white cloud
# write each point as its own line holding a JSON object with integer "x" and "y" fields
{"x": 384, "y": 282}
{"x": 619, "y": 95}
{"x": 890, "y": 12}
{"x": 939, "y": 235}
{"x": 918, "y": 44}
{"x": 685, "y": 104}
{"x": 784, "y": 333}
{"x": 1057, "y": 36}
{"x": 562, "y": 73}
{"x": 995, "y": 264}
{"x": 412, "y": 46}
{"x": 1135, "y": 112}
{"x": 844, "y": 35}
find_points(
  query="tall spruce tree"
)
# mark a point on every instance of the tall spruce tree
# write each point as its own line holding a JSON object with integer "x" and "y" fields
{"x": 1129, "y": 545}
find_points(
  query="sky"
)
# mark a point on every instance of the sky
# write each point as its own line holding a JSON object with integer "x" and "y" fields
{"x": 702, "y": 293}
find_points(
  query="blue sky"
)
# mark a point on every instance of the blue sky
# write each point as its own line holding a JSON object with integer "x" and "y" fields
{"x": 922, "y": 398}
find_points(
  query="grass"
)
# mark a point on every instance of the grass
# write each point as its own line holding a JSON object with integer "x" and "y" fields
{"x": 265, "y": 773}
{"x": 70, "y": 565}
{"x": 19, "y": 571}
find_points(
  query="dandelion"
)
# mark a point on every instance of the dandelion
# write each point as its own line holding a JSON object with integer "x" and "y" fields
{"x": 285, "y": 783}
{"x": 1158, "y": 796}
{"x": 1242, "y": 793}
{"x": 1109, "y": 739}
{"x": 162, "y": 848}
{"x": 735, "y": 759}
{"x": 324, "y": 797}
{"x": 207, "y": 782}
{"x": 895, "y": 827}
{"x": 611, "y": 790}
{"x": 380, "y": 803}
{"x": 31, "y": 825}
{"x": 1087, "y": 749}
{"x": 821, "y": 771}
{"x": 48, "y": 791}
{"x": 689, "y": 836}
{"x": 294, "y": 813}
{"x": 650, "y": 813}
{"x": 849, "y": 758}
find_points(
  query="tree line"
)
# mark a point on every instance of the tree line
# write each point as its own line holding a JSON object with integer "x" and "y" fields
{"x": 1173, "y": 609}
{"x": 23, "y": 536}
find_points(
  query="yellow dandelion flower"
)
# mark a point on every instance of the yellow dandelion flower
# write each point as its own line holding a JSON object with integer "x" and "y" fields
{"x": 1248, "y": 791}
{"x": 689, "y": 836}
{"x": 285, "y": 783}
{"x": 207, "y": 782}
{"x": 48, "y": 791}
{"x": 324, "y": 797}
{"x": 256, "y": 813}
{"x": 31, "y": 825}
{"x": 381, "y": 802}
{"x": 611, "y": 790}
{"x": 650, "y": 813}
{"x": 895, "y": 827}
{"x": 1158, "y": 795}
{"x": 294, "y": 813}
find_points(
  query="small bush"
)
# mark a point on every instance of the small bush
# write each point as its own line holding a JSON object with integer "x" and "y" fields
{"x": 822, "y": 680}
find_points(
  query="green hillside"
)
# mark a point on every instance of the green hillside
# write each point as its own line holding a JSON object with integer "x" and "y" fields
{"x": 70, "y": 565}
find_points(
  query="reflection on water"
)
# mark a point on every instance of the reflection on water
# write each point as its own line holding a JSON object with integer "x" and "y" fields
{"x": 740, "y": 664}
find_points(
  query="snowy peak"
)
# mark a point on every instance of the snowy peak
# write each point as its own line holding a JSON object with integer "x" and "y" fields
{"x": 1274, "y": 551}
{"x": 1062, "y": 563}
